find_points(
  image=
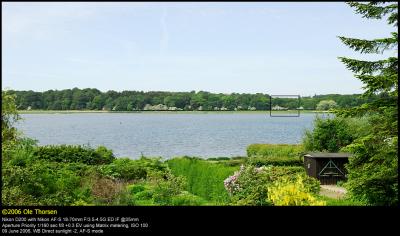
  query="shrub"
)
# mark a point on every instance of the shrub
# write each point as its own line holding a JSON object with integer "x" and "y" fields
{"x": 81, "y": 202}
{"x": 231, "y": 183}
{"x": 9, "y": 116}
{"x": 14, "y": 196}
{"x": 141, "y": 194}
{"x": 104, "y": 190}
{"x": 325, "y": 105}
{"x": 22, "y": 153}
{"x": 373, "y": 182}
{"x": 234, "y": 162}
{"x": 249, "y": 186}
{"x": 285, "y": 192}
{"x": 276, "y": 172}
{"x": 187, "y": 199}
{"x": 71, "y": 153}
{"x": 274, "y": 154}
{"x": 42, "y": 183}
{"x": 133, "y": 189}
{"x": 292, "y": 173}
{"x": 274, "y": 150}
{"x": 330, "y": 134}
{"x": 105, "y": 153}
{"x": 218, "y": 159}
{"x": 124, "y": 168}
{"x": 12, "y": 192}
{"x": 275, "y": 161}
{"x": 144, "y": 195}
{"x": 311, "y": 185}
{"x": 166, "y": 189}
{"x": 153, "y": 164}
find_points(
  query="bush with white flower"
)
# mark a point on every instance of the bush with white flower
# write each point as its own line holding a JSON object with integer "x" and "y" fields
{"x": 231, "y": 184}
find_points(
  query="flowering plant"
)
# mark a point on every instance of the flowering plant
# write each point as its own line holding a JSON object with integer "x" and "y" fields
{"x": 286, "y": 192}
{"x": 231, "y": 184}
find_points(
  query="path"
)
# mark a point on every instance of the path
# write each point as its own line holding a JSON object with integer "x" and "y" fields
{"x": 332, "y": 191}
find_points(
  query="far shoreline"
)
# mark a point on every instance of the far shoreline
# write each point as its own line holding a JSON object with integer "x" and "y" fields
{"x": 162, "y": 111}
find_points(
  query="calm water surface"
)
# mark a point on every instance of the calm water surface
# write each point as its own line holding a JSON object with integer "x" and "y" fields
{"x": 166, "y": 134}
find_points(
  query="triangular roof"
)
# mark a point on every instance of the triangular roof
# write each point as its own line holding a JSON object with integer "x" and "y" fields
{"x": 328, "y": 155}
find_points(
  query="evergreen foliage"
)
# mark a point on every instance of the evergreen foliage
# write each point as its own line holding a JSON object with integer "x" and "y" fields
{"x": 373, "y": 170}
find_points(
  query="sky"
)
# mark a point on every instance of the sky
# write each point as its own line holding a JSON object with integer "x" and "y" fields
{"x": 221, "y": 47}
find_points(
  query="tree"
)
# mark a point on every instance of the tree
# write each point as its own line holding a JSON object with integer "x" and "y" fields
{"x": 328, "y": 135}
{"x": 98, "y": 102}
{"x": 373, "y": 169}
{"x": 325, "y": 105}
{"x": 197, "y": 100}
{"x": 9, "y": 116}
{"x": 93, "y": 99}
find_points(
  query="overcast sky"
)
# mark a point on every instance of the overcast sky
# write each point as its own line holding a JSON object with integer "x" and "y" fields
{"x": 274, "y": 48}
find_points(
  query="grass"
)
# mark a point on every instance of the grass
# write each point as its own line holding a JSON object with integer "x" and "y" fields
{"x": 204, "y": 178}
{"x": 339, "y": 202}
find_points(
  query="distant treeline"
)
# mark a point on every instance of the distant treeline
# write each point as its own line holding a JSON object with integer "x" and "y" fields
{"x": 93, "y": 99}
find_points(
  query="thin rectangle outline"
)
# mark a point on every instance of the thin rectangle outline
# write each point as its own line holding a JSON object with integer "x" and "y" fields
{"x": 270, "y": 105}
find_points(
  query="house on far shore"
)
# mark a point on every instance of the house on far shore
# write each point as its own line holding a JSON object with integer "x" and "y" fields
{"x": 327, "y": 167}
{"x": 279, "y": 108}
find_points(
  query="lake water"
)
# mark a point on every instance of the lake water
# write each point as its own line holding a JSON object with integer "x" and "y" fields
{"x": 166, "y": 134}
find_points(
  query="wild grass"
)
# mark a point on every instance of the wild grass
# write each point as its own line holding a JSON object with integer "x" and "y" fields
{"x": 204, "y": 178}
{"x": 340, "y": 201}
{"x": 275, "y": 154}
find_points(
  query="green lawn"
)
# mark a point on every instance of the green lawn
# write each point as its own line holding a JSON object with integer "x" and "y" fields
{"x": 339, "y": 202}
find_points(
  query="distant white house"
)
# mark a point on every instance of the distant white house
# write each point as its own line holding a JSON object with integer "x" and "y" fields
{"x": 156, "y": 107}
{"x": 278, "y": 108}
{"x": 300, "y": 108}
{"x": 174, "y": 109}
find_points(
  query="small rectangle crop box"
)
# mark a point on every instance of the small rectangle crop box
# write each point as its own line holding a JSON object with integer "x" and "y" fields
{"x": 284, "y": 105}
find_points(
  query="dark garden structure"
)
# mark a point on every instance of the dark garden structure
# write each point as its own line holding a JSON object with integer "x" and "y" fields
{"x": 328, "y": 168}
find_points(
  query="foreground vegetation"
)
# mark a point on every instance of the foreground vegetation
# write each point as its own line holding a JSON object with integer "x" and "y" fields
{"x": 78, "y": 175}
